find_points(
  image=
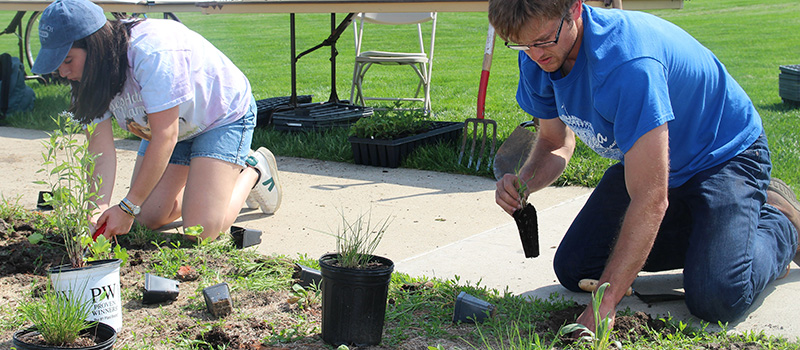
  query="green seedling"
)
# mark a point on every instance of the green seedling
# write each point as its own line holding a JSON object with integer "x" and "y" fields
{"x": 304, "y": 297}
{"x": 356, "y": 241}
{"x": 522, "y": 186}
{"x": 601, "y": 338}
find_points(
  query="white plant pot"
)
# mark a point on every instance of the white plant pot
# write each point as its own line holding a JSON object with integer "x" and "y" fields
{"x": 90, "y": 282}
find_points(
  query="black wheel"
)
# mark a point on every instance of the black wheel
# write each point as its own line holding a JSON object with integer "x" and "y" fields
{"x": 32, "y": 44}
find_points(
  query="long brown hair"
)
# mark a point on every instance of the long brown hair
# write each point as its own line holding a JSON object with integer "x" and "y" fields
{"x": 104, "y": 71}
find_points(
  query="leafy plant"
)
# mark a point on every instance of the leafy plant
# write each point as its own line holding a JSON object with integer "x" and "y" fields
{"x": 356, "y": 241}
{"x": 68, "y": 163}
{"x": 59, "y": 316}
{"x": 304, "y": 297}
{"x": 391, "y": 124}
{"x": 70, "y": 166}
{"x": 601, "y": 339}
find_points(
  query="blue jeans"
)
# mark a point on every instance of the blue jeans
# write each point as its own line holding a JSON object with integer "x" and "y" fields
{"x": 718, "y": 228}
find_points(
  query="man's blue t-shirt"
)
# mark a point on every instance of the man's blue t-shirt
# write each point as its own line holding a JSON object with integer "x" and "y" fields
{"x": 635, "y": 72}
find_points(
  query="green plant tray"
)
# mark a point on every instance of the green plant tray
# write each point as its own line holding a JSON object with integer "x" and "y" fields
{"x": 389, "y": 153}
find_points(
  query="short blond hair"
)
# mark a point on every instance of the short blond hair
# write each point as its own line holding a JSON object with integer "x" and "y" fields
{"x": 509, "y": 17}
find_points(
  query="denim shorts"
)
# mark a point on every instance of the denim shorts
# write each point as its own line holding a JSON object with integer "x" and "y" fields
{"x": 229, "y": 143}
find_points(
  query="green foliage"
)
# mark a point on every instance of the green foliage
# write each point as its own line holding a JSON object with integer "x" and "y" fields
{"x": 58, "y": 316}
{"x": 522, "y": 187}
{"x": 510, "y": 338}
{"x": 601, "y": 337}
{"x": 69, "y": 165}
{"x": 102, "y": 249}
{"x": 356, "y": 241}
{"x": 391, "y": 124}
{"x": 194, "y": 231}
{"x": 10, "y": 210}
{"x": 169, "y": 260}
{"x": 305, "y": 297}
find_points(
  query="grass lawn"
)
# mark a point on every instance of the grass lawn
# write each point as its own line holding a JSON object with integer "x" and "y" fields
{"x": 751, "y": 38}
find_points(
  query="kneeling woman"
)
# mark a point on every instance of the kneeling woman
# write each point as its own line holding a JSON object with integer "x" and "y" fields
{"x": 192, "y": 107}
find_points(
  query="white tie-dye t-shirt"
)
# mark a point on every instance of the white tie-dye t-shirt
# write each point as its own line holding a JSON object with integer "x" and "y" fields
{"x": 172, "y": 65}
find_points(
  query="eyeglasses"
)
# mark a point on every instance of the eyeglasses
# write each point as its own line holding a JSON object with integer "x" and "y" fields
{"x": 522, "y": 47}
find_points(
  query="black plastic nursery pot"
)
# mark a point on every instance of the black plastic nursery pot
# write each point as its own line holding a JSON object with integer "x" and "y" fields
{"x": 354, "y": 301}
{"x": 105, "y": 337}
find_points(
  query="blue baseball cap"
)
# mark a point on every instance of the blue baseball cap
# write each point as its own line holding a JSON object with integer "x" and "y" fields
{"x": 62, "y": 23}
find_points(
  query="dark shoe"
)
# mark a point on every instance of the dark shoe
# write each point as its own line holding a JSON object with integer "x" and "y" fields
{"x": 781, "y": 196}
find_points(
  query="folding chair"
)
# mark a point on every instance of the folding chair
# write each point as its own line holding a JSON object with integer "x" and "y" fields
{"x": 421, "y": 61}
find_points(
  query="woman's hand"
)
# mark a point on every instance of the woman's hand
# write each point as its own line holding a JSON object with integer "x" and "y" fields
{"x": 117, "y": 222}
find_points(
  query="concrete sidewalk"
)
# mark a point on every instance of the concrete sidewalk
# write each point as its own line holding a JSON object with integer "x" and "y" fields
{"x": 443, "y": 225}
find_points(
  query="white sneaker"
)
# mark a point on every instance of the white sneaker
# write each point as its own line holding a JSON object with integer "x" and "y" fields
{"x": 250, "y": 201}
{"x": 268, "y": 191}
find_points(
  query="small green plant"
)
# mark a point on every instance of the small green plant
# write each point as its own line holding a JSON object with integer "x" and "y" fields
{"x": 11, "y": 209}
{"x": 58, "y": 316}
{"x": 522, "y": 187}
{"x": 601, "y": 338}
{"x": 304, "y": 297}
{"x": 70, "y": 166}
{"x": 391, "y": 124}
{"x": 356, "y": 241}
{"x": 511, "y": 338}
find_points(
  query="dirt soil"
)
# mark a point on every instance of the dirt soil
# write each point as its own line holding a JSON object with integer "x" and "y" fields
{"x": 255, "y": 314}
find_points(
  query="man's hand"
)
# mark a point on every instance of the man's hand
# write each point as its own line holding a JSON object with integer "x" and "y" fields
{"x": 547, "y": 160}
{"x": 587, "y": 317}
{"x": 507, "y": 196}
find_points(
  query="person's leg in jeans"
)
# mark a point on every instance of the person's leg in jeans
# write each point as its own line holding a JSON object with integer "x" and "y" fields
{"x": 738, "y": 243}
{"x": 586, "y": 246}
{"x": 716, "y": 225}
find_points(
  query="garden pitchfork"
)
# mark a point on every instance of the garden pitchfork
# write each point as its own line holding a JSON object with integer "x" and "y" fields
{"x": 480, "y": 120}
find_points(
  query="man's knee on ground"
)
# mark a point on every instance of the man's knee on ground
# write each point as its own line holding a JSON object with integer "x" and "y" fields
{"x": 723, "y": 303}
{"x": 567, "y": 271}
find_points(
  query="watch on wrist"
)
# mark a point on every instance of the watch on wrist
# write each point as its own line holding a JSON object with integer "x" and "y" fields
{"x": 130, "y": 208}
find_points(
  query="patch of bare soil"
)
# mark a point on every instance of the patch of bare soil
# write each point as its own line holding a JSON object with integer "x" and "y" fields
{"x": 255, "y": 316}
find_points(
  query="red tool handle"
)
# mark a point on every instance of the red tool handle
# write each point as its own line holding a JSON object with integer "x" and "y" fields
{"x": 99, "y": 231}
{"x": 487, "y": 64}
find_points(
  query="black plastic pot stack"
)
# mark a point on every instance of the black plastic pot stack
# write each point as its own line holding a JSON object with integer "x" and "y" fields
{"x": 354, "y": 302}
{"x": 789, "y": 84}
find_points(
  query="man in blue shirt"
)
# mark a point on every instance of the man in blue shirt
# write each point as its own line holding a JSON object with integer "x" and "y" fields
{"x": 692, "y": 188}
